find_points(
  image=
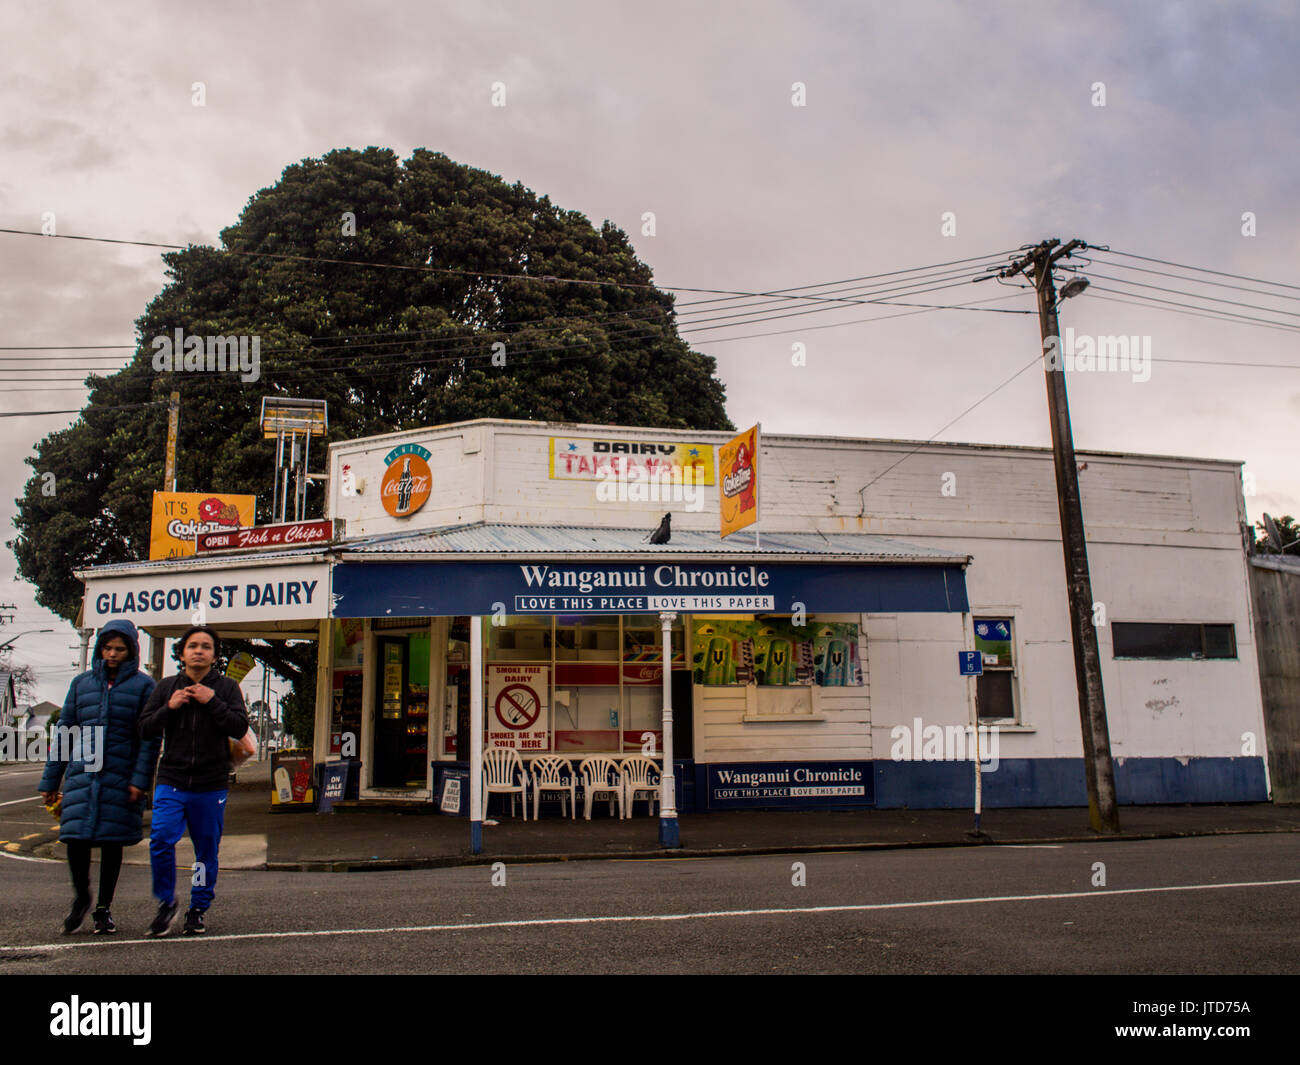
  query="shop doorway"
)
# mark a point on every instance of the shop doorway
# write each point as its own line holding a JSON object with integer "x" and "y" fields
{"x": 401, "y": 749}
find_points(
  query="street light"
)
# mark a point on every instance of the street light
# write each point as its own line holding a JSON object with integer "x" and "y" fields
{"x": 7, "y": 643}
{"x": 1072, "y": 288}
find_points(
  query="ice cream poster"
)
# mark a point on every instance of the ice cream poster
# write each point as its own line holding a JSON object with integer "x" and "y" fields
{"x": 775, "y": 653}
{"x": 835, "y": 655}
{"x": 180, "y": 516}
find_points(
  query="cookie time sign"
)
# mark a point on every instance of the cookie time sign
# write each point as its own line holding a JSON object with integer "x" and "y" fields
{"x": 179, "y": 517}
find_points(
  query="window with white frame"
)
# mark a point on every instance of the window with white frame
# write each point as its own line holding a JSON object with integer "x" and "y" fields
{"x": 995, "y": 688}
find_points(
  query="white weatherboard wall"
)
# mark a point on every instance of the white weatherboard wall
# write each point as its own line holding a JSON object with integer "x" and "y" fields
{"x": 1164, "y": 542}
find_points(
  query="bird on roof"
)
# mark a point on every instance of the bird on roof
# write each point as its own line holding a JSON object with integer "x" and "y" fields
{"x": 664, "y": 533}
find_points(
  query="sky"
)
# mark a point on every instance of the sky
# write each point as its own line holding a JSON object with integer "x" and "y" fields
{"x": 775, "y": 144}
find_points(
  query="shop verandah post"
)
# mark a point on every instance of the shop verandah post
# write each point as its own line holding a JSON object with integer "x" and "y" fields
{"x": 669, "y": 834}
{"x": 476, "y": 734}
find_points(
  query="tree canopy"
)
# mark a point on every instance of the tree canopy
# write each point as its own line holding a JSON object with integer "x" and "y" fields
{"x": 477, "y": 298}
{"x": 404, "y": 294}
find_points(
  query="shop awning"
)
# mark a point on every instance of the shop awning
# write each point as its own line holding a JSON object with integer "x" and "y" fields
{"x": 514, "y": 569}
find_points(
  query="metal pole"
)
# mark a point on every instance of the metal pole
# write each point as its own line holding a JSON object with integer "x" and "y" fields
{"x": 86, "y": 634}
{"x": 669, "y": 833}
{"x": 266, "y": 695}
{"x": 157, "y": 653}
{"x": 1099, "y": 772}
{"x": 279, "y": 461}
{"x": 968, "y": 642}
{"x": 306, "y": 466}
{"x": 173, "y": 433}
{"x": 476, "y": 734}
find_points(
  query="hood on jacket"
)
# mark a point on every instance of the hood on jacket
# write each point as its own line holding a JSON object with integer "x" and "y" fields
{"x": 117, "y": 627}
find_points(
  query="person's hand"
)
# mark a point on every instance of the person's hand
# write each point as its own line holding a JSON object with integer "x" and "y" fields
{"x": 134, "y": 794}
{"x": 201, "y": 693}
{"x": 50, "y": 797}
{"x": 179, "y": 698}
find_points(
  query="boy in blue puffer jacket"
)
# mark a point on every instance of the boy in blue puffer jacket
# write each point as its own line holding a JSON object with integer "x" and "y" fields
{"x": 108, "y": 770}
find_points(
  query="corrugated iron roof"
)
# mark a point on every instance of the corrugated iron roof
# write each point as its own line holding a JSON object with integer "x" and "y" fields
{"x": 207, "y": 560}
{"x": 498, "y": 539}
{"x": 501, "y": 539}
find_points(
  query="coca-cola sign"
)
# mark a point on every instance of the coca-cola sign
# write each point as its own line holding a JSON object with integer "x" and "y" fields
{"x": 408, "y": 481}
{"x": 292, "y": 534}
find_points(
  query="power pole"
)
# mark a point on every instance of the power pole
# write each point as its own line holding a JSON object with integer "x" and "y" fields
{"x": 1099, "y": 771}
{"x": 173, "y": 431}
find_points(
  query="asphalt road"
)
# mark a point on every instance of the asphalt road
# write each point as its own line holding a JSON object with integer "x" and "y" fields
{"x": 21, "y": 811}
{"x": 1213, "y": 905}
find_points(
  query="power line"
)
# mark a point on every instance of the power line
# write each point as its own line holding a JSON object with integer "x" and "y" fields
{"x": 1202, "y": 281}
{"x": 947, "y": 426}
{"x": 1174, "y": 303}
{"x": 1200, "y": 269}
{"x": 1193, "y": 295}
{"x": 868, "y": 277}
{"x": 419, "y": 360}
{"x": 925, "y": 274}
{"x": 476, "y": 341}
{"x": 1284, "y": 326}
{"x": 421, "y": 268}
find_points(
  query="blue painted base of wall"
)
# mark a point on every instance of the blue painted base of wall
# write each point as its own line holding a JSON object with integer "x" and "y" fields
{"x": 1060, "y": 782}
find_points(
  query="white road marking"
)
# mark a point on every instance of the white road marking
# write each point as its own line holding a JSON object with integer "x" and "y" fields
{"x": 542, "y": 922}
{"x": 13, "y": 802}
{"x": 24, "y": 858}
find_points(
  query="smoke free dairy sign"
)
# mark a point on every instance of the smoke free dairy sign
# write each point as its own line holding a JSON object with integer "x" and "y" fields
{"x": 252, "y": 593}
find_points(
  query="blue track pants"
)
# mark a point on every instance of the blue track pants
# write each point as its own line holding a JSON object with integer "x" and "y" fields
{"x": 203, "y": 813}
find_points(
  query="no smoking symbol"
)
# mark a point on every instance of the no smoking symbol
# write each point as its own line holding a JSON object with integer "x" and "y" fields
{"x": 517, "y": 706}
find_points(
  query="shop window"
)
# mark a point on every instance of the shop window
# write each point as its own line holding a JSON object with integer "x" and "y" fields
{"x": 995, "y": 689}
{"x": 577, "y": 683}
{"x": 782, "y": 667}
{"x": 520, "y": 639}
{"x": 1146, "y": 639}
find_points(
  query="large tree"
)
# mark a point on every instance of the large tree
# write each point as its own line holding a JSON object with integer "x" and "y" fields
{"x": 405, "y": 294}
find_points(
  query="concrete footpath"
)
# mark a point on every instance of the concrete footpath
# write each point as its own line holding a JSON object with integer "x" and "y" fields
{"x": 258, "y": 837}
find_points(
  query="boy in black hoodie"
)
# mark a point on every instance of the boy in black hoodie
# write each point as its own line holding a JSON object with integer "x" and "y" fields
{"x": 197, "y": 713}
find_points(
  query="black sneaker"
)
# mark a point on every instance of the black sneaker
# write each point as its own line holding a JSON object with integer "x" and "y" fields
{"x": 194, "y": 922}
{"x": 162, "y": 923}
{"x": 104, "y": 925}
{"x": 80, "y": 907}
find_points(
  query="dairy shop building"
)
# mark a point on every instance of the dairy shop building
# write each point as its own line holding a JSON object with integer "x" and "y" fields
{"x": 501, "y": 572}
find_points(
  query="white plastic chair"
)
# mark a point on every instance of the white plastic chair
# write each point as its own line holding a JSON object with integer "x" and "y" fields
{"x": 636, "y": 773}
{"x": 500, "y": 767}
{"x": 598, "y": 770}
{"x": 553, "y": 773}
